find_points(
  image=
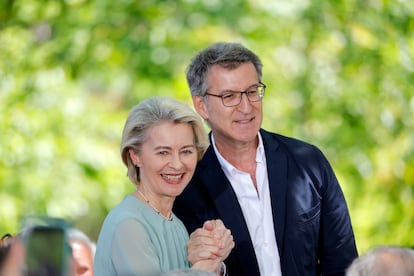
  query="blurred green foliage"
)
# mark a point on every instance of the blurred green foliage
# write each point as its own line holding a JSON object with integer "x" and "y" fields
{"x": 339, "y": 74}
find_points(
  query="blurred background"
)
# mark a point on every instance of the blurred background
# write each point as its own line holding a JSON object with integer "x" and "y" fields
{"x": 340, "y": 75}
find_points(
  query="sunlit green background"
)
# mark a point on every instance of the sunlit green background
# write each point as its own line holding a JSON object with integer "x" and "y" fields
{"x": 340, "y": 74}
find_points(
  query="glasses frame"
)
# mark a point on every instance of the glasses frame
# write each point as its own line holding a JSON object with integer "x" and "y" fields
{"x": 261, "y": 95}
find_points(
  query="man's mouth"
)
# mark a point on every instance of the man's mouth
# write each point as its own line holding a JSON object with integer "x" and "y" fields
{"x": 244, "y": 121}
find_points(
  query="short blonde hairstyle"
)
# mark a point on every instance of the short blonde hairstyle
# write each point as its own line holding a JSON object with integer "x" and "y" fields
{"x": 151, "y": 112}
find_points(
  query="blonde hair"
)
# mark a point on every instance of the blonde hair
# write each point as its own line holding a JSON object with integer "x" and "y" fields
{"x": 151, "y": 112}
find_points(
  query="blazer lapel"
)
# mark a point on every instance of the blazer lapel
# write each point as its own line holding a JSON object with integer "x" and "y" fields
{"x": 228, "y": 208}
{"x": 277, "y": 173}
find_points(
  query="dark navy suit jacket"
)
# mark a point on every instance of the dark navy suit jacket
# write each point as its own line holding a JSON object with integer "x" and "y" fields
{"x": 311, "y": 220}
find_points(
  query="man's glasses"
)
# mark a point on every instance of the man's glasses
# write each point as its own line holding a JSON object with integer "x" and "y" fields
{"x": 232, "y": 98}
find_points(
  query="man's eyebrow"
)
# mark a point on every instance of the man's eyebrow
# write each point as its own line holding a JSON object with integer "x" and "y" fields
{"x": 234, "y": 91}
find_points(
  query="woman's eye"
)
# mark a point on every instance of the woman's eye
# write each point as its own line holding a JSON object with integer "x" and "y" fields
{"x": 187, "y": 152}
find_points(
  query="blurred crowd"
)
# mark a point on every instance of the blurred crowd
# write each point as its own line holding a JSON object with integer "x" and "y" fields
{"x": 47, "y": 246}
{"x": 30, "y": 253}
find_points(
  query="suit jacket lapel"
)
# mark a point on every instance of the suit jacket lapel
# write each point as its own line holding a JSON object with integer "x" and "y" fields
{"x": 224, "y": 196}
{"x": 277, "y": 172}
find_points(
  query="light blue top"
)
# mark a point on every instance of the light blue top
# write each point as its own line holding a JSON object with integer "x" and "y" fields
{"x": 135, "y": 240}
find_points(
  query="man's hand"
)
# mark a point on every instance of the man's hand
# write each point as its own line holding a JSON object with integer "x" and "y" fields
{"x": 210, "y": 245}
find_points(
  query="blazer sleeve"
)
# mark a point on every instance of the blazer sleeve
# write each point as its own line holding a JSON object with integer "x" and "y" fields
{"x": 338, "y": 240}
{"x": 318, "y": 239}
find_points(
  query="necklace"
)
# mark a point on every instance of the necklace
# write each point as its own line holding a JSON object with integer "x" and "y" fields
{"x": 153, "y": 207}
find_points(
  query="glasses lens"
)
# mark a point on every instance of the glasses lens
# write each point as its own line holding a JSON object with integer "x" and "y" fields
{"x": 231, "y": 99}
{"x": 256, "y": 94}
{"x": 261, "y": 89}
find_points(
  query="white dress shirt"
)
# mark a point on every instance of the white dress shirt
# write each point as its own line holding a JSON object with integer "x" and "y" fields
{"x": 256, "y": 208}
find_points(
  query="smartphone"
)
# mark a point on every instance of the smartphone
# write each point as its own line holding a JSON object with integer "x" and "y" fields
{"x": 47, "y": 248}
{"x": 45, "y": 251}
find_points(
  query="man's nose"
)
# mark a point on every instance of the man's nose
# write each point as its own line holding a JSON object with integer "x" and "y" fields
{"x": 244, "y": 104}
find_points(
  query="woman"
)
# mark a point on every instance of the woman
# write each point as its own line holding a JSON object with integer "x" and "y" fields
{"x": 161, "y": 143}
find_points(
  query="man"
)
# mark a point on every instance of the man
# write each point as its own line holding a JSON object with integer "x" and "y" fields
{"x": 279, "y": 196}
{"x": 83, "y": 252}
{"x": 384, "y": 260}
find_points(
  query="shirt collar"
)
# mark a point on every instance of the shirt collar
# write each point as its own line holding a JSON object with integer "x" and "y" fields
{"x": 228, "y": 168}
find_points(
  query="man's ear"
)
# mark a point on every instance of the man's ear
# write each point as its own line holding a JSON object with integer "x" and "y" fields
{"x": 200, "y": 106}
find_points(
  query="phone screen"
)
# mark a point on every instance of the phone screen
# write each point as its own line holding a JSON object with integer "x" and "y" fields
{"x": 45, "y": 251}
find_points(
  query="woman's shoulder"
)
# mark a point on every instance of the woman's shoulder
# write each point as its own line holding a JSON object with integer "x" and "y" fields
{"x": 129, "y": 209}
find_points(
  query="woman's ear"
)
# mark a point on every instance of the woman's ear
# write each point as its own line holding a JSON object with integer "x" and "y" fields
{"x": 134, "y": 157}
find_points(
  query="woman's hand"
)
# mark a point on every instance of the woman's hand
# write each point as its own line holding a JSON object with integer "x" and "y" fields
{"x": 209, "y": 246}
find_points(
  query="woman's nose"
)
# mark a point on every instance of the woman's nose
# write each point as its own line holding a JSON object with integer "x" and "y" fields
{"x": 176, "y": 162}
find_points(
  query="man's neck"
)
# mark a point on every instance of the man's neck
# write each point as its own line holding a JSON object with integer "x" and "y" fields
{"x": 242, "y": 155}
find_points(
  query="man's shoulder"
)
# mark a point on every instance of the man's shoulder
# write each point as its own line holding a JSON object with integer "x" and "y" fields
{"x": 276, "y": 139}
{"x": 292, "y": 148}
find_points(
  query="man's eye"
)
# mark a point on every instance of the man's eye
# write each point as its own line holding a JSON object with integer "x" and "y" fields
{"x": 252, "y": 92}
{"x": 229, "y": 96}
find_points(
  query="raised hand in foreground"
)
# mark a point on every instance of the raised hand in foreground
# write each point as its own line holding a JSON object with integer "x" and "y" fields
{"x": 209, "y": 246}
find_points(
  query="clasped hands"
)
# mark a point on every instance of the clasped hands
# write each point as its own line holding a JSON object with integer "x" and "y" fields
{"x": 209, "y": 246}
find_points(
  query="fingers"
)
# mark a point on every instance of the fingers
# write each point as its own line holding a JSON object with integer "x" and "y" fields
{"x": 209, "y": 225}
{"x": 228, "y": 245}
{"x": 202, "y": 245}
{"x": 196, "y": 254}
{"x": 202, "y": 252}
{"x": 213, "y": 241}
{"x": 213, "y": 224}
{"x": 226, "y": 238}
{"x": 219, "y": 224}
{"x": 202, "y": 236}
{"x": 210, "y": 246}
{"x": 214, "y": 232}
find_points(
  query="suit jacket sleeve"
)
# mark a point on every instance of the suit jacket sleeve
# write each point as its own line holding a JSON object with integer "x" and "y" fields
{"x": 316, "y": 236}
